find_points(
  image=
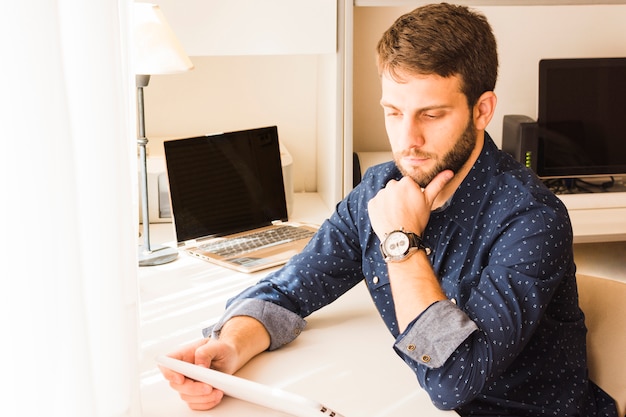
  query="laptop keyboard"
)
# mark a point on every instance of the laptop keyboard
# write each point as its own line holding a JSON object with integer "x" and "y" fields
{"x": 266, "y": 238}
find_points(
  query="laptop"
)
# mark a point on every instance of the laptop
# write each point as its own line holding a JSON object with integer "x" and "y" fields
{"x": 254, "y": 392}
{"x": 228, "y": 199}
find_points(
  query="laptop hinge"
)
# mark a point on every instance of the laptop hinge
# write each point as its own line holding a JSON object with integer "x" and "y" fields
{"x": 188, "y": 243}
{"x": 192, "y": 243}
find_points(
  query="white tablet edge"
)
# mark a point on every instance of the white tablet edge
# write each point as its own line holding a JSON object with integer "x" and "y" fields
{"x": 254, "y": 392}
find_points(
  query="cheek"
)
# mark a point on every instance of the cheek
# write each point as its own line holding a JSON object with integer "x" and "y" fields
{"x": 443, "y": 136}
{"x": 394, "y": 133}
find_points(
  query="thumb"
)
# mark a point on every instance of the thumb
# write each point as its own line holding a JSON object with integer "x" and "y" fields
{"x": 204, "y": 355}
{"x": 437, "y": 184}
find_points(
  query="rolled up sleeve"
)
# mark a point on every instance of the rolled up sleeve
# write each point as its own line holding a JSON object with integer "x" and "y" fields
{"x": 433, "y": 336}
{"x": 282, "y": 325}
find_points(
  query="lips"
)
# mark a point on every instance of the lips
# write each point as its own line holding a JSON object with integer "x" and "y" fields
{"x": 415, "y": 160}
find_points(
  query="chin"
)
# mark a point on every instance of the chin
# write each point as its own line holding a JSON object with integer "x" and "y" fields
{"x": 417, "y": 175}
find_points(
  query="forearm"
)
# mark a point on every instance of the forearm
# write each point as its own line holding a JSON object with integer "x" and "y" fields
{"x": 414, "y": 287}
{"x": 247, "y": 336}
{"x": 281, "y": 325}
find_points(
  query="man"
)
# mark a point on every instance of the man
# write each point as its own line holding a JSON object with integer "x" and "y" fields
{"x": 474, "y": 276}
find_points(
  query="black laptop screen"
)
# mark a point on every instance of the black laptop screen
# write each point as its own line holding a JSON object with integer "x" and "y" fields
{"x": 225, "y": 183}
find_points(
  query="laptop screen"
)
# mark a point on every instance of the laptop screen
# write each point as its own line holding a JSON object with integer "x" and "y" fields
{"x": 225, "y": 183}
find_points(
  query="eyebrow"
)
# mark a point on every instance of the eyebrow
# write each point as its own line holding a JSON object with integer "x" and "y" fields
{"x": 383, "y": 103}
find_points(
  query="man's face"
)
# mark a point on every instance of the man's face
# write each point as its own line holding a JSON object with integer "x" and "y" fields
{"x": 429, "y": 125}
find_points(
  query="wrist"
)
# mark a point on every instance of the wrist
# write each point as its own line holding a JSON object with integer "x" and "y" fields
{"x": 246, "y": 337}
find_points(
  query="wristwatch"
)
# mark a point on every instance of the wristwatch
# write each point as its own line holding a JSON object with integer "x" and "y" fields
{"x": 399, "y": 244}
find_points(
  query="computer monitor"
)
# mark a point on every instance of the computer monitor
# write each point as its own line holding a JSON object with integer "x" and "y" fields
{"x": 581, "y": 118}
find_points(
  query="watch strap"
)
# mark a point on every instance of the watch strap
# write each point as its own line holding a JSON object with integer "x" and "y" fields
{"x": 417, "y": 242}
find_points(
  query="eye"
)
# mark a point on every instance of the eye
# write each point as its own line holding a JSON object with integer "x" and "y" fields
{"x": 392, "y": 113}
{"x": 432, "y": 115}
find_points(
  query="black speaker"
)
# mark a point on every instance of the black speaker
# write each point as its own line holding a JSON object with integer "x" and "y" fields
{"x": 520, "y": 139}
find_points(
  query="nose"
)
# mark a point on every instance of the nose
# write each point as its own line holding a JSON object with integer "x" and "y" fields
{"x": 411, "y": 134}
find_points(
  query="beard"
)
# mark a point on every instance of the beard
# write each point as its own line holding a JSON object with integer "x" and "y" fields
{"x": 453, "y": 160}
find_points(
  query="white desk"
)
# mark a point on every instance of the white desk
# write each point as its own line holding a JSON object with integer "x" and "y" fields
{"x": 344, "y": 358}
{"x": 597, "y": 217}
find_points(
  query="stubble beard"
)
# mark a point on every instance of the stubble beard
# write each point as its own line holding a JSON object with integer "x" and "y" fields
{"x": 453, "y": 160}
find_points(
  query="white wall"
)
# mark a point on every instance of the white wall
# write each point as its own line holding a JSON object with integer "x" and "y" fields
{"x": 240, "y": 92}
{"x": 257, "y": 64}
{"x": 525, "y": 34}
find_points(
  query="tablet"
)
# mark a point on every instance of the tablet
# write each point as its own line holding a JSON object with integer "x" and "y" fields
{"x": 254, "y": 392}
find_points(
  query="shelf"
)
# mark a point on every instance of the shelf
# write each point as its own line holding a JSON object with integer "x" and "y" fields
{"x": 597, "y": 217}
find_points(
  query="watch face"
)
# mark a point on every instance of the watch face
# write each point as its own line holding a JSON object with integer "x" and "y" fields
{"x": 396, "y": 244}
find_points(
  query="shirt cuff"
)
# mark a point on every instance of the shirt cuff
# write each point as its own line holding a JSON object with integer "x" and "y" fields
{"x": 435, "y": 334}
{"x": 282, "y": 325}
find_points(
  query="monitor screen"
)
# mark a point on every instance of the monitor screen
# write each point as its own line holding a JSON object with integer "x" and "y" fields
{"x": 582, "y": 117}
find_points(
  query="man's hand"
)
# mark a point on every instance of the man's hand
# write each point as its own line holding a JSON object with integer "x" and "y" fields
{"x": 240, "y": 339}
{"x": 403, "y": 204}
{"x": 208, "y": 353}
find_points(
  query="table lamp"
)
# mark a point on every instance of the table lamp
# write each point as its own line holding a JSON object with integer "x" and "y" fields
{"x": 156, "y": 51}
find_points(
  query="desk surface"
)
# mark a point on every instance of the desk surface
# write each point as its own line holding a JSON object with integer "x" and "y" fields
{"x": 344, "y": 358}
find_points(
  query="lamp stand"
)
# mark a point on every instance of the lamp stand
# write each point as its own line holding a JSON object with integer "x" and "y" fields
{"x": 148, "y": 256}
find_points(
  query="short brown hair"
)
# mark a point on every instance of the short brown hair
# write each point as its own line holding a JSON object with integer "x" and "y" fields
{"x": 445, "y": 40}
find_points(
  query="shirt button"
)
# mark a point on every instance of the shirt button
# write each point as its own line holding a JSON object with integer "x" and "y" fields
{"x": 375, "y": 280}
{"x": 411, "y": 347}
{"x": 425, "y": 358}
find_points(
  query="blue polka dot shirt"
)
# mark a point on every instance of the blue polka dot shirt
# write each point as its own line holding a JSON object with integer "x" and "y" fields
{"x": 510, "y": 339}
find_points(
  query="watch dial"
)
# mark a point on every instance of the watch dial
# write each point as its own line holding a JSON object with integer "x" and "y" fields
{"x": 397, "y": 243}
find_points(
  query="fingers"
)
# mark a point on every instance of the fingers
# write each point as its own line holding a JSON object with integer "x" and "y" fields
{"x": 433, "y": 189}
{"x": 205, "y": 356}
{"x": 171, "y": 376}
{"x": 187, "y": 354}
{"x": 198, "y": 395}
{"x": 405, "y": 204}
{"x": 408, "y": 189}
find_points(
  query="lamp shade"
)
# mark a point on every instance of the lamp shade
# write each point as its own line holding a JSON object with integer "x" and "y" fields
{"x": 156, "y": 48}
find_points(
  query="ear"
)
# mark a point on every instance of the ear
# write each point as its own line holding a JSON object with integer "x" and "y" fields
{"x": 484, "y": 109}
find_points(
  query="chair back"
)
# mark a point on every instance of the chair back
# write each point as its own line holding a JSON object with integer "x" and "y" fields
{"x": 604, "y": 303}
